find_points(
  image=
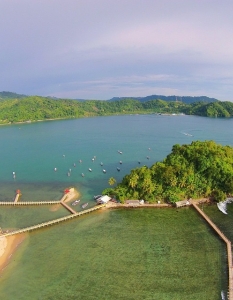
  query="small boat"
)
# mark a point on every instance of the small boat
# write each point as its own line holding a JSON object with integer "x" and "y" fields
{"x": 82, "y": 174}
{"x": 148, "y": 157}
{"x": 75, "y": 202}
{"x": 97, "y": 197}
{"x": 139, "y": 162}
{"x": 93, "y": 159}
{"x": 222, "y": 295}
{"x": 120, "y": 152}
{"x": 120, "y": 162}
{"x": 74, "y": 164}
{"x": 104, "y": 171}
{"x": 55, "y": 169}
{"x": 68, "y": 174}
{"x": 118, "y": 169}
{"x": 84, "y": 205}
{"x": 80, "y": 161}
{"x": 90, "y": 170}
{"x": 101, "y": 164}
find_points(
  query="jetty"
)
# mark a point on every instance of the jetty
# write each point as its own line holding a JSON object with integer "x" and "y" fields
{"x": 228, "y": 244}
{"x": 29, "y": 203}
{"x": 68, "y": 208}
{"x": 53, "y": 222}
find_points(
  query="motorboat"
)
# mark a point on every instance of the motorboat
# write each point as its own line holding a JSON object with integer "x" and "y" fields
{"x": 90, "y": 170}
{"x": 104, "y": 171}
{"x": 97, "y": 197}
{"x": 118, "y": 169}
{"x": 82, "y": 174}
{"x": 84, "y": 205}
{"x": 75, "y": 202}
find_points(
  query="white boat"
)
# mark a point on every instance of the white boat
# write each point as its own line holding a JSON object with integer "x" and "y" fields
{"x": 82, "y": 174}
{"x": 84, "y": 205}
{"x": 76, "y": 202}
{"x": 101, "y": 164}
{"x": 104, "y": 171}
{"x": 222, "y": 207}
{"x": 97, "y": 197}
{"x": 90, "y": 170}
{"x": 222, "y": 295}
{"x": 120, "y": 162}
{"x": 118, "y": 169}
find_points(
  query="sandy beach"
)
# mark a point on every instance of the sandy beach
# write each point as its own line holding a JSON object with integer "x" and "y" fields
{"x": 8, "y": 246}
{"x": 73, "y": 194}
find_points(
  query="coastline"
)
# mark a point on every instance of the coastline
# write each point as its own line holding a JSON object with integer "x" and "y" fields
{"x": 8, "y": 245}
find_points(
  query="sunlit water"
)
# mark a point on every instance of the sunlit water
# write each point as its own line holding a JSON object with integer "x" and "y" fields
{"x": 123, "y": 254}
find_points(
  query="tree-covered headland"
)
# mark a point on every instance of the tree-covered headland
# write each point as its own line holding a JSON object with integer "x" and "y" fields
{"x": 35, "y": 108}
{"x": 200, "y": 169}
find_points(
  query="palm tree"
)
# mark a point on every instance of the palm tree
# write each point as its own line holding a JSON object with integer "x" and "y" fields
{"x": 112, "y": 181}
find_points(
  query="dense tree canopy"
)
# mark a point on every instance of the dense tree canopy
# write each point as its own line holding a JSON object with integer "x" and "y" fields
{"x": 201, "y": 169}
{"x": 36, "y": 108}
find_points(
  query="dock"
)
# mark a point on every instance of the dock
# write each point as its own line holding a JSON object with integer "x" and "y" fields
{"x": 68, "y": 208}
{"x": 53, "y": 222}
{"x": 228, "y": 244}
{"x": 29, "y": 203}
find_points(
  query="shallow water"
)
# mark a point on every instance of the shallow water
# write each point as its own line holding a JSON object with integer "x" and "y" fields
{"x": 122, "y": 254}
{"x": 119, "y": 254}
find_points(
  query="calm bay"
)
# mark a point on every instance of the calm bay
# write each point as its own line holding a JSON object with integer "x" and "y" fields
{"x": 120, "y": 254}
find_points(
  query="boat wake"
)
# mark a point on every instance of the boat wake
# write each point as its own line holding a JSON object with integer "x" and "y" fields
{"x": 222, "y": 206}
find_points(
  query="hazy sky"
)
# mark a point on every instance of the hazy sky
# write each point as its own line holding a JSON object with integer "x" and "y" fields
{"x": 98, "y": 49}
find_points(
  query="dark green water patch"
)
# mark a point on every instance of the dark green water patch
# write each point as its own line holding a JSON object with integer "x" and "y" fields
{"x": 120, "y": 254}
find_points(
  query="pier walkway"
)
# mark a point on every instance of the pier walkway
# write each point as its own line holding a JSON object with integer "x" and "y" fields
{"x": 229, "y": 251}
{"x": 53, "y": 222}
{"x": 29, "y": 203}
{"x": 68, "y": 208}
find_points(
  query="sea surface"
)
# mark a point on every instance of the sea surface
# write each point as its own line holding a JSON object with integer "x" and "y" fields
{"x": 119, "y": 254}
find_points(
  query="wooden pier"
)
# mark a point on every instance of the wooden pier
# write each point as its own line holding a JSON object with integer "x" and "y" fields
{"x": 229, "y": 251}
{"x": 53, "y": 222}
{"x": 29, "y": 203}
{"x": 68, "y": 208}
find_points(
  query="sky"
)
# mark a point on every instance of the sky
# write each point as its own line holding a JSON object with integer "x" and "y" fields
{"x": 99, "y": 49}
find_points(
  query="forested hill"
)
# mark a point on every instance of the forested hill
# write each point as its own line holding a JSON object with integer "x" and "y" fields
{"x": 201, "y": 169}
{"x": 10, "y": 95}
{"x": 184, "y": 99}
{"x": 34, "y": 108}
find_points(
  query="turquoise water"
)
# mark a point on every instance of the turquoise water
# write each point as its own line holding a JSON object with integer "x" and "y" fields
{"x": 106, "y": 255}
{"x": 34, "y": 150}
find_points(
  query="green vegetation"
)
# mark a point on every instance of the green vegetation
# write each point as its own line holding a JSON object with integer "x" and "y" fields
{"x": 201, "y": 169}
{"x": 34, "y": 108}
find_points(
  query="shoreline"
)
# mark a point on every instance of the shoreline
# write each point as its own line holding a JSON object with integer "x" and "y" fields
{"x": 8, "y": 246}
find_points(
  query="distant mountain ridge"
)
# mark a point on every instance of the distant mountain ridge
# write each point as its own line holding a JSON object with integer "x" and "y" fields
{"x": 10, "y": 95}
{"x": 184, "y": 99}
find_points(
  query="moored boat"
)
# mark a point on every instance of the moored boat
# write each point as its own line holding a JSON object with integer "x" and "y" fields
{"x": 84, "y": 205}
{"x": 97, "y": 197}
{"x": 75, "y": 202}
